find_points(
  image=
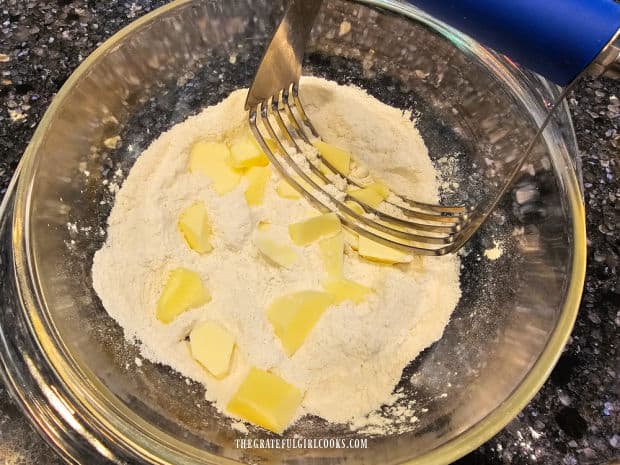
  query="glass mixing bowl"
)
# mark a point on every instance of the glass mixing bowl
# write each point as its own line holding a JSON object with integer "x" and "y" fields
{"x": 66, "y": 362}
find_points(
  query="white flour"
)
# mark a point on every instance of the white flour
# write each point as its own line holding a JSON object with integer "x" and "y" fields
{"x": 353, "y": 358}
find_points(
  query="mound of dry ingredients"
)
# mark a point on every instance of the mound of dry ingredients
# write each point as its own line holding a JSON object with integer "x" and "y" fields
{"x": 353, "y": 358}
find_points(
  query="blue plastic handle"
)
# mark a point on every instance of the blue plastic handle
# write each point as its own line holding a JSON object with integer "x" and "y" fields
{"x": 556, "y": 38}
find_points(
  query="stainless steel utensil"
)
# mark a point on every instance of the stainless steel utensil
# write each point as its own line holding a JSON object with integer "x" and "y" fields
{"x": 273, "y": 104}
{"x": 281, "y": 126}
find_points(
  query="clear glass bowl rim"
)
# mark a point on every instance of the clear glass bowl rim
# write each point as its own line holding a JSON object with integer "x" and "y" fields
{"x": 46, "y": 420}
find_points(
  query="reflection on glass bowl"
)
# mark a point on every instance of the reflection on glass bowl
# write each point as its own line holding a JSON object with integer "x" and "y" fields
{"x": 67, "y": 363}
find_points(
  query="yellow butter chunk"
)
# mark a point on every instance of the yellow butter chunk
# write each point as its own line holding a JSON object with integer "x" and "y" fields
{"x": 380, "y": 188}
{"x": 257, "y": 176}
{"x": 375, "y": 251}
{"x": 279, "y": 253}
{"x": 286, "y": 191}
{"x": 345, "y": 289}
{"x": 245, "y": 152}
{"x": 266, "y": 400}
{"x": 195, "y": 227}
{"x": 332, "y": 250}
{"x": 212, "y": 346}
{"x": 340, "y": 159}
{"x": 351, "y": 238}
{"x": 310, "y": 230}
{"x": 368, "y": 196}
{"x": 356, "y": 207}
{"x": 294, "y": 315}
{"x": 182, "y": 291}
{"x": 213, "y": 160}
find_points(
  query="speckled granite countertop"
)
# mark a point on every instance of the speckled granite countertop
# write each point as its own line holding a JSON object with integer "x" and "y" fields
{"x": 575, "y": 419}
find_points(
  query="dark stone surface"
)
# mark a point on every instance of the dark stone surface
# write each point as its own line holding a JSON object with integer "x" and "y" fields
{"x": 575, "y": 417}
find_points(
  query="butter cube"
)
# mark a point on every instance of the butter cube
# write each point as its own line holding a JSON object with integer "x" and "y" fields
{"x": 340, "y": 159}
{"x": 332, "y": 250}
{"x": 356, "y": 207}
{"x": 245, "y": 152}
{"x": 257, "y": 176}
{"x": 375, "y": 251}
{"x": 351, "y": 238}
{"x": 312, "y": 229}
{"x": 294, "y": 315}
{"x": 195, "y": 227}
{"x": 367, "y": 195}
{"x": 380, "y": 188}
{"x": 266, "y": 400}
{"x": 345, "y": 289}
{"x": 277, "y": 252}
{"x": 213, "y": 160}
{"x": 182, "y": 291}
{"x": 212, "y": 346}
{"x": 286, "y": 191}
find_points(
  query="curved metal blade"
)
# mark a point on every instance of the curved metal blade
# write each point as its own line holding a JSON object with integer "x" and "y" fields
{"x": 281, "y": 64}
